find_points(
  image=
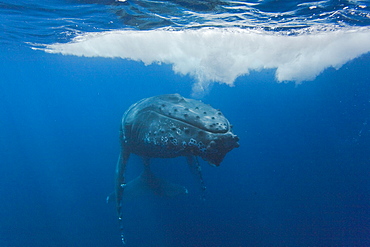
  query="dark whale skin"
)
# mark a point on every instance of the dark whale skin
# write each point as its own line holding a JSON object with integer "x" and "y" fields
{"x": 168, "y": 126}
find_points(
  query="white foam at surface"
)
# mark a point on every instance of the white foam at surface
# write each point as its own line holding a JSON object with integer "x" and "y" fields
{"x": 221, "y": 55}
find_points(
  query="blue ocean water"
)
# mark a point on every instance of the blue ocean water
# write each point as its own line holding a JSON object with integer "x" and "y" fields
{"x": 291, "y": 76}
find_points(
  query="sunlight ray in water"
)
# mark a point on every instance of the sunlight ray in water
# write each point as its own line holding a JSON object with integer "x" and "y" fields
{"x": 221, "y": 55}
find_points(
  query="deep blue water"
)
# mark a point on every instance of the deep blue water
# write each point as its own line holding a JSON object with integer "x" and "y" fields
{"x": 299, "y": 178}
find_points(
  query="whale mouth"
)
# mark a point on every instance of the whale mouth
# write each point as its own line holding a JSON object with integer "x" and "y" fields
{"x": 188, "y": 111}
{"x": 213, "y": 165}
{"x": 194, "y": 117}
{"x": 193, "y": 112}
{"x": 211, "y": 126}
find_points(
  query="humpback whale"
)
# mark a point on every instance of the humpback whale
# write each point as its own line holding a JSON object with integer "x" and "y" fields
{"x": 168, "y": 126}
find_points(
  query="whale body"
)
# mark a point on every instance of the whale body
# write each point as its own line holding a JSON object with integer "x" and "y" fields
{"x": 168, "y": 126}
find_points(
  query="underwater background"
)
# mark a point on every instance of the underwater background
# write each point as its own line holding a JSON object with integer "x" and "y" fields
{"x": 293, "y": 77}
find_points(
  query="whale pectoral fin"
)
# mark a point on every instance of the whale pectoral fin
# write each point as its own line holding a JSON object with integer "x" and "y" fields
{"x": 120, "y": 186}
{"x": 196, "y": 170}
{"x": 120, "y": 180}
{"x": 148, "y": 183}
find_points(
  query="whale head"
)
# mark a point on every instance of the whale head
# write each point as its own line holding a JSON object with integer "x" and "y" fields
{"x": 171, "y": 125}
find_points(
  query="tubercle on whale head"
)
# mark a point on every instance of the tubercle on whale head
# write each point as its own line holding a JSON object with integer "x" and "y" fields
{"x": 219, "y": 147}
